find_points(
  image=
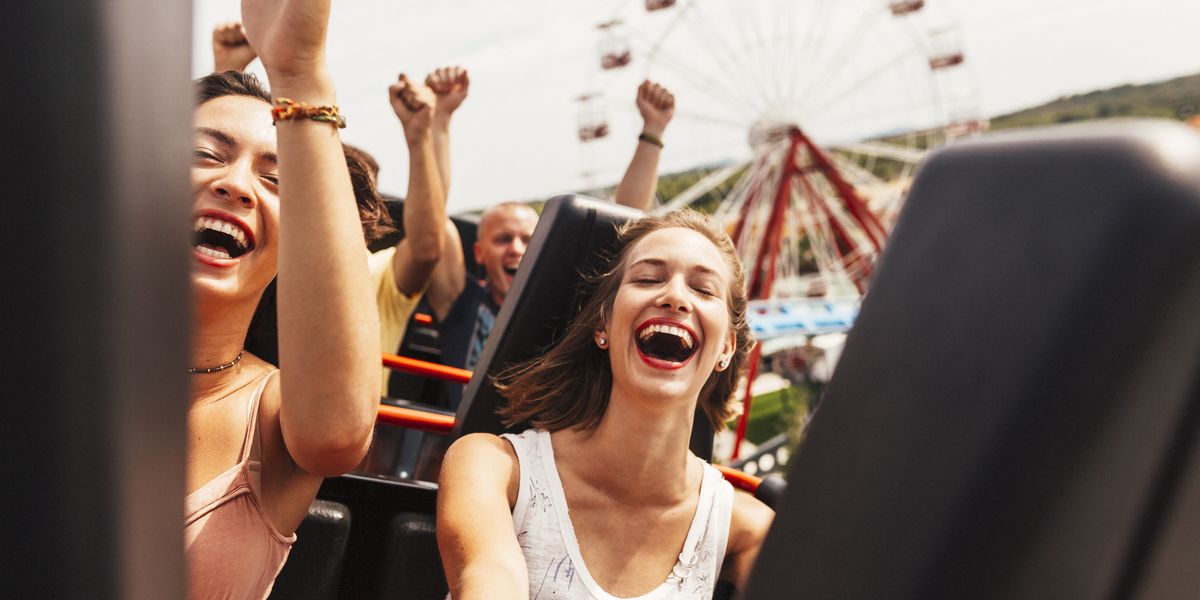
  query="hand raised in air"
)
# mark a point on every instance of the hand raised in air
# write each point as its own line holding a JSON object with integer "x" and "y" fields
{"x": 450, "y": 84}
{"x": 231, "y": 49}
{"x": 657, "y": 105}
{"x": 414, "y": 104}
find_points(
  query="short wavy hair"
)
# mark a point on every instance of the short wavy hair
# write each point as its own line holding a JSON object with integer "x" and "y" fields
{"x": 568, "y": 387}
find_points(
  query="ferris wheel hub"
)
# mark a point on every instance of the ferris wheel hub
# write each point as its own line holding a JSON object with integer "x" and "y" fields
{"x": 768, "y": 132}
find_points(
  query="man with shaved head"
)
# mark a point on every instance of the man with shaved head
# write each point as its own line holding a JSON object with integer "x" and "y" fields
{"x": 466, "y": 307}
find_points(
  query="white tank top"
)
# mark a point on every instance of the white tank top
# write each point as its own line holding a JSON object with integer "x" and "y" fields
{"x": 542, "y": 523}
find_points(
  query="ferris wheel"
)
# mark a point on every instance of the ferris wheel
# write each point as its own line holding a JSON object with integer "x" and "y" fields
{"x": 803, "y": 118}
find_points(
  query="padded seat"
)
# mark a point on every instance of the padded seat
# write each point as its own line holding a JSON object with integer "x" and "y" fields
{"x": 314, "y": 567}
{"x": 411, "y": 566}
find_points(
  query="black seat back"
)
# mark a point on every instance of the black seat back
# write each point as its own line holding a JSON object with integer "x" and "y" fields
{"x": 572, "y": 238}
{"x": 314, "y": 568}
{"x": 1017, "y": 408}
{"x": 575, "y": 236}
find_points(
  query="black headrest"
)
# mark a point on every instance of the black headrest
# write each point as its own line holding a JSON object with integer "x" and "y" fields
{"x": 1016, "y": 411}
{"x": 573, "y": 237}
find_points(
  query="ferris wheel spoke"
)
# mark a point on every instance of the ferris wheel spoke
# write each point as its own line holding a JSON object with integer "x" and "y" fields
{"x": 701, "y": 188}
{"x": 858, "y": 175}
{"x": 715, "y": 53}
{"x": 888, "y": 110}
{"x": 831, "y": 98}
{"x": 842, "y": 56}
{"x": 712, "y": 36}
{"x": 715, "y": 120}
{"x": 813, "y": 40}
{"x": 713, "y": 88}
{"x": 696, "y": 75}
{"x": 882, "y": 150}
{"x": 784, "y": 17}
{"x": 753, "y": 47}
{"x": 619, "y": 8}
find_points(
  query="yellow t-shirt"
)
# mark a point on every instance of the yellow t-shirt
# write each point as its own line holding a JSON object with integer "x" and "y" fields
{"x": 395, "y": 307}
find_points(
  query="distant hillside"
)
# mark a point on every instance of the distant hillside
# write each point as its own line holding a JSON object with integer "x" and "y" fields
{"x": 1172, "y": 99}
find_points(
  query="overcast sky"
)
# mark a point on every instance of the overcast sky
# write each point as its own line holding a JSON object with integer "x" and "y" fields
{"x": 514, "y": 137}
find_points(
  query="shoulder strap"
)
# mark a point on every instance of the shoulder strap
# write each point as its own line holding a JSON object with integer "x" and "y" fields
{"x": 251, "y": 441}
{"x": 520, "y": 444}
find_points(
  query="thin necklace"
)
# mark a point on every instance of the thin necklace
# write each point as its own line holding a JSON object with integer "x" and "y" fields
{"x": 227, "y": 365}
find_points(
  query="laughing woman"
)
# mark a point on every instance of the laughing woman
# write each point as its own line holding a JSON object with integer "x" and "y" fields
{"x": 612, "y": 405}
{"x": 272, "y": 198}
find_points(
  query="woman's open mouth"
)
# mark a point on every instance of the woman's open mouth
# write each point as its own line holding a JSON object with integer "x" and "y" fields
{"x": 665, "y": 345}
{"x": 219, "y": 238}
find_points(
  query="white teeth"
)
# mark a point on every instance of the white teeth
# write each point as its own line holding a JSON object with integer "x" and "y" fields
{"x": 213, "y": 252}
{"x": 222, "y": 226}
{"x": 678, "y": 332}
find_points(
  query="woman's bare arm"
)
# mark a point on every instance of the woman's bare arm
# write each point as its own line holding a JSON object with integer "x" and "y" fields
{"x": 747, "y": 530}
{"x": 328, "y": 326}
{"x": 479, "y": 550}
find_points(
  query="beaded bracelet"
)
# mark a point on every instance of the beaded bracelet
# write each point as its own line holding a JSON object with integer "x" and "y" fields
{"x": 646, "y": 137}
{"x": 286, "y": 108}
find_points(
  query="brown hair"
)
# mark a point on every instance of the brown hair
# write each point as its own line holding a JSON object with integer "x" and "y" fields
{"x": 375, "y": 219}
{"x": 229, "y": 83}
{"x": 569, "y": 386}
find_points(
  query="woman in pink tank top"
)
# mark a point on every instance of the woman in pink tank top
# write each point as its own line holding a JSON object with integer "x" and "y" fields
{"x": 602, "y": 499}
{"x": 257, "y": 455}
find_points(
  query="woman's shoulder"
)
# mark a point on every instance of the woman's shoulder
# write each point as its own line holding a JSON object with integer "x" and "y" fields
{"x": 749, "y": 520}
{"x": 482, "y": 461}
{"x": 481, "y": 447}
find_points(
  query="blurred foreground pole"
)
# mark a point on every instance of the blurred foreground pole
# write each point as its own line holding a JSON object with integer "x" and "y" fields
{"x": 97, "y": 113}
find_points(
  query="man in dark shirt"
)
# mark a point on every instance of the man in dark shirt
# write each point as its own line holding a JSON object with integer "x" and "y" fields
{"x": 465, "y": 307}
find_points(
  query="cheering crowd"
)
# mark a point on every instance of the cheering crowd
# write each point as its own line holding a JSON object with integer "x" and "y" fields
{"x": 292, "y": 312}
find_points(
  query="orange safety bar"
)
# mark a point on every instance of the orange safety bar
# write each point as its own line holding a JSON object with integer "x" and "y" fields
{"x": 438, "y": 423}
{"x": 739, "y": 479}
{"x": 416, "y": 419}
{"x": 426, "y": 369}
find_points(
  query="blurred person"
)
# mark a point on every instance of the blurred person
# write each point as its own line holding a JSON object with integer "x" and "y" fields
{"x": 272, "y": 197}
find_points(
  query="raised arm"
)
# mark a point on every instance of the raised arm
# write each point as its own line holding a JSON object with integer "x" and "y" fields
{"x": 231, "y": 50}
{"x": 637, "y": 187}
{"x": 328, "y": 326}
{"x": 425, "y": 206}
{"x": 450, "y": 85}
{"x": 476, "y": 493}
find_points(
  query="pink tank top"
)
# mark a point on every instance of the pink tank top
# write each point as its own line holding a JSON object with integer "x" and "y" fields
{"x": 231, "y": 548}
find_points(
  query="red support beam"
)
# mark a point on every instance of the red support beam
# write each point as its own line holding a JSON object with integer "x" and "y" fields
{"x": 849, "y": 196}
{"x": 758, "y": 289}
{"x": 838, "y": 229}
{"x": 745, "y": 416}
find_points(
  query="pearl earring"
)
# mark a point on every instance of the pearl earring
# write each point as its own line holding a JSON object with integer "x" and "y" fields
{"x": 603, "y": 342}
{"x": 724, "y": 363}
